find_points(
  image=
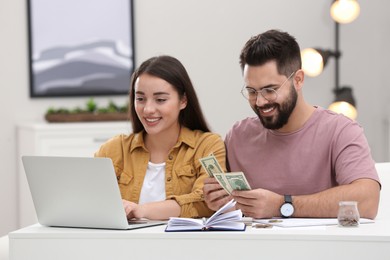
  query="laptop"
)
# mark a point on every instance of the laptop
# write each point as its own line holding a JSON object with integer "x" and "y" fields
{"x": 77, "y": 192}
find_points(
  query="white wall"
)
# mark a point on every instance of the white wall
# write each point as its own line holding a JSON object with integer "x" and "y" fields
{"x": 207, "y": 37}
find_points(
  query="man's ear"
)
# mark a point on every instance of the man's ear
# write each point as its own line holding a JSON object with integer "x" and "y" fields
{"x": 299, "y": 79}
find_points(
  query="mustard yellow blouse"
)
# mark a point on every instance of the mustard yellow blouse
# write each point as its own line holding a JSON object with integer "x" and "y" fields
{"x": 184, "y": 174}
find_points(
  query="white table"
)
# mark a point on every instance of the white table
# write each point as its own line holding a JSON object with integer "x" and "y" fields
{"x": 368, "y": 241}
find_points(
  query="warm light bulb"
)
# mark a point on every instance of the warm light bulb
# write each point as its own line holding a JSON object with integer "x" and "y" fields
{"x": 344, "y": 11}
{"x": 344, "y": 108}
{"x": 312, "y": 62}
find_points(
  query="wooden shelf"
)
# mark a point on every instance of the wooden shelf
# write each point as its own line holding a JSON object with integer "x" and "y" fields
{"x": 86, "y": 117}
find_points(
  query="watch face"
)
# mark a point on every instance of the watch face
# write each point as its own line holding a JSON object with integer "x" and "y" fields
{"x": 287, "y": 210}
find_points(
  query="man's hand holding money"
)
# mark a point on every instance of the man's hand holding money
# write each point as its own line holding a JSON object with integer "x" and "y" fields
{"x": 214, "y": 194}
{"x": 217, "y": 190}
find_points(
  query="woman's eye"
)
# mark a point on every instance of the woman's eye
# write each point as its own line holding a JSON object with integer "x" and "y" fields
{"x": 139, "y": 99}
{"x": 161, "y": 100}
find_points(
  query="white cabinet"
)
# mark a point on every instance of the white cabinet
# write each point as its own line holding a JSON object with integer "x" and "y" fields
{"x": 58, "y": 139}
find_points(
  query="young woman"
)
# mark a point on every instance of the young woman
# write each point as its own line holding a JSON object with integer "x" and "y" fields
{"x": 157, "y": 166}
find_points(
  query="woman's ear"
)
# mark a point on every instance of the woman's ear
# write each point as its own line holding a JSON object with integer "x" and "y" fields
{"x": 183, "y": 102}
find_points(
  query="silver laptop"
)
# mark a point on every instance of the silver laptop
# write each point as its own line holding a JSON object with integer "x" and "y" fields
{"x": 77, "y": 192}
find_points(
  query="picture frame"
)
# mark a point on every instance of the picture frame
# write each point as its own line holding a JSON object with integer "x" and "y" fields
{"x": 80, "y": 47}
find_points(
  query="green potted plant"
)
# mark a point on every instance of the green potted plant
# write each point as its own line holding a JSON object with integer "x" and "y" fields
{"x": 91, "y": 112}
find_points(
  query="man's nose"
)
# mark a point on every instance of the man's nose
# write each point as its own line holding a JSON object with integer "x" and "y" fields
{"x": 260, "y": 100}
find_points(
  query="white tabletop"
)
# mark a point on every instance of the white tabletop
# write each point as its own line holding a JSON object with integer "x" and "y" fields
{"x": 330, "y": 242}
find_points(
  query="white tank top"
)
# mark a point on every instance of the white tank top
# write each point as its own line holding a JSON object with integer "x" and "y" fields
{"x": 153, "y": 188}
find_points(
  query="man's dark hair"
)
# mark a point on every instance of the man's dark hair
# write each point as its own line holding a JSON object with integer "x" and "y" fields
{"x": 272, "y": 45}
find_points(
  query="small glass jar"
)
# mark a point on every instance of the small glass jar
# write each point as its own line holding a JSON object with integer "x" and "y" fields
{"x": 348, "y": 215}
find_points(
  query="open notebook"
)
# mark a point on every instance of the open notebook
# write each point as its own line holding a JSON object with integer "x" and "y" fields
{"x": 222, "y": 220}
{"x": 77, "y": 192}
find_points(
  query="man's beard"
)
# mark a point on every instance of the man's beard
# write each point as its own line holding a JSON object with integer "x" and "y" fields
{"x": 284, "y": 111}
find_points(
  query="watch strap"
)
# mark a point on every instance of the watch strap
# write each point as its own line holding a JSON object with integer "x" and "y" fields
{"x": 287, "y": 199}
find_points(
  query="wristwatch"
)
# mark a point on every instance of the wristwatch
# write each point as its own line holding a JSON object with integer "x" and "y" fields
{"x": 287, "y": 208}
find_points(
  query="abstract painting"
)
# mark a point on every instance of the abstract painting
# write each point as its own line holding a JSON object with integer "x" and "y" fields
{"x": 80, "y": 47}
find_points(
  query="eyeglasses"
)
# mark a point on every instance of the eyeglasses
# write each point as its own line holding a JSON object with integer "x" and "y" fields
{"x": 269, "y": 94}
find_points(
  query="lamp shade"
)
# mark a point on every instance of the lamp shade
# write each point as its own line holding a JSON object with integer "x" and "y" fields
{"x": 345, "y": 11}
{"x": 344, "y": 103}
{"x": 312, "y": 62}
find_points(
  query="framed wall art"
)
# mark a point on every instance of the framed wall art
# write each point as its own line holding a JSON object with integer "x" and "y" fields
{"x": 80, "y": 47}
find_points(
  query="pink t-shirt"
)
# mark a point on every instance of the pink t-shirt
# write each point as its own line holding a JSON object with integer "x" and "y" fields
{"x": 329, "y": 150}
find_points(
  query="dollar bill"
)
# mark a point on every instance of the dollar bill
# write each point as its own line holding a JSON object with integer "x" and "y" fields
{"x": 237, "y": 181}
{"x": 232, "y": 181}
{"x": 223, "y": 182}
{"x": 211, "y": 165}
